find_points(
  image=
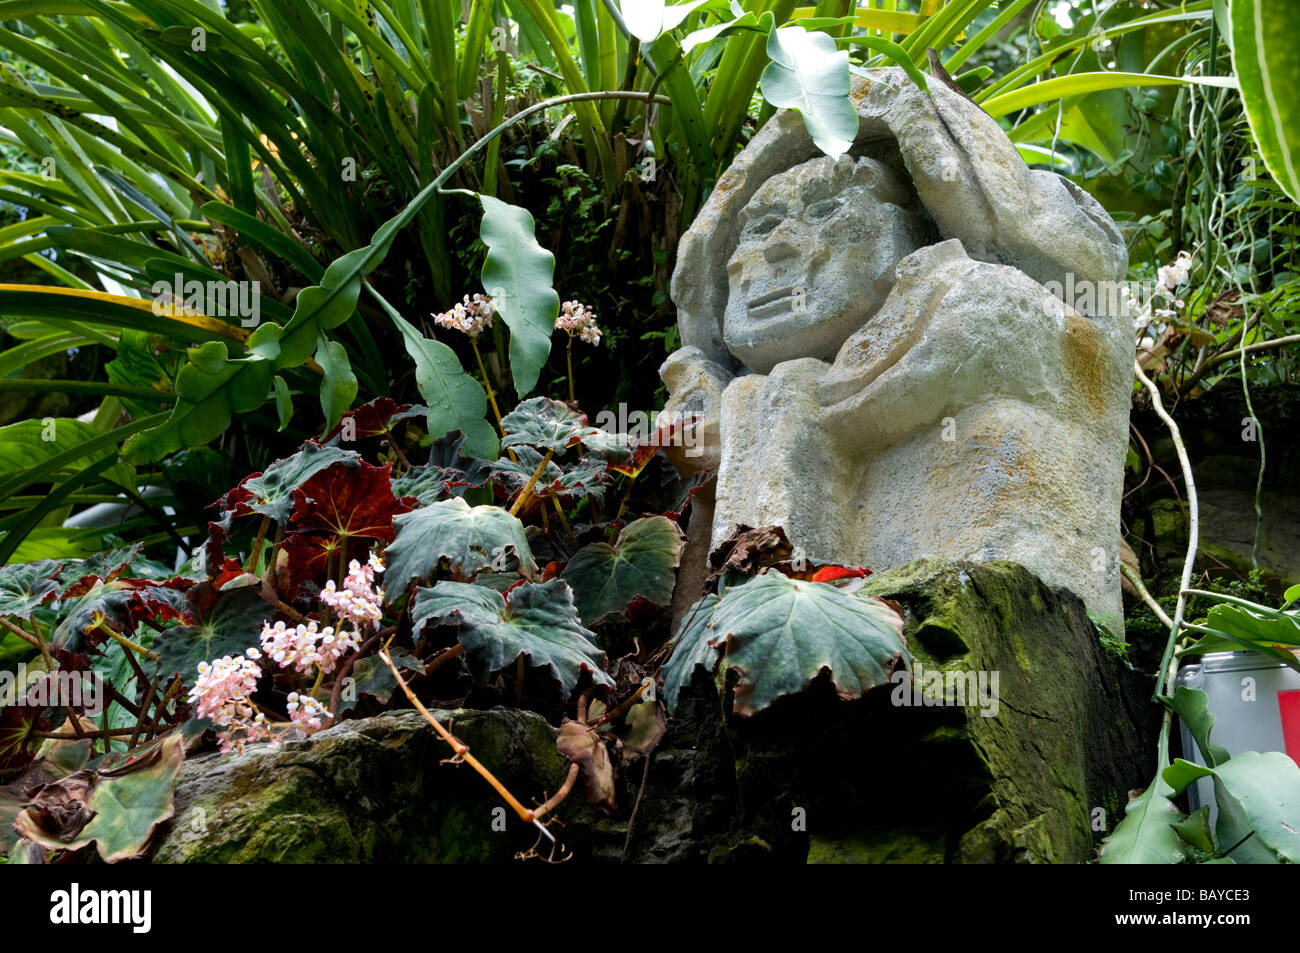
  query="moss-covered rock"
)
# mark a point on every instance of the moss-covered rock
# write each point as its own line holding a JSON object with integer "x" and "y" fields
{"x": 371, "y": 790}
{"x": 1033, "y": 772}
{"x": 1040, "y": 776}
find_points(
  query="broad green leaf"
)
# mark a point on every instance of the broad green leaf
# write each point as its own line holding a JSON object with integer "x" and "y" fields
{"x": 339, "y": 388}
{"x": 1195, "y": 830}
{"x": 809, "y": 74}
{"x": 1261, "y": 789}
{"x": 1266, "y": 59}
{"x": 1192, "y": 706}
{"x": 227, "y": 623}
{"x": 1291, "y": 595}
{"x": 536, "y": 620}
{"x": 647, "y": 19}
{"x": 517, "y": 275}
{"x": 1146, "y": 834}
{"x": 780, "y": 633}
{"x": 270, "y": 493}
{"x": 36, "y": 444}
{"x": 1273, "y": 629}
{"x": 548, "y": 425}
{"x": 696, "y": 645}
{"x": 469, "y": 538}
{"x": 456, "y": 401}
{"x": 1050, "y": 90}
{"x": 25, "y": 586}
{"x": 641, "y": 564}
{"x": 211, "y": 389}
{"x": 128, "y": 803}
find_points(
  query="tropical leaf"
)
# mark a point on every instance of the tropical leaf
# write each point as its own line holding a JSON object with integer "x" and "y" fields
{"x": 517, "y": 275}
{"x": 225, "y": 622}
{"x": 548, "y": 425}
{"x": 123, "y": 804}
{"x": 26, "y": 586}
{"x": 809, "y": 74}
{"x": 469, "y": 538}
{"x": 33, "y": 450}
{"x": 535, "y": 620}
{"x": 347, "y": 502}
{"x": 1192, "y": 706}
{"x": 270, "y": 493}
{"x": 1266, "y": 59}
{"x": 641, "y": 564}
{"x": 1263, "y": 790}
{"x": 456, "y": 401}
{"x": 1146, "y": 834}
{"x": 696, "y": 645}
{"x": 780, "y": 633}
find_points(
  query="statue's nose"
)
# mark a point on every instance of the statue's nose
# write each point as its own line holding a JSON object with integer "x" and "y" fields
{"x": 779, "y": 250}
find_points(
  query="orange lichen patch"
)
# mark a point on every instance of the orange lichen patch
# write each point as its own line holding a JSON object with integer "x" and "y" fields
{"x": 1083, "y": 359}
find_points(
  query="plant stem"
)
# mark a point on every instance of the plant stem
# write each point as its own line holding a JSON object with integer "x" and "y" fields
{"x": 568, "y": 356}
{"x": 1131, "y": 575}
{"x": 532, "y": 482}
{"x": 462, "y": 750}
{"x": 50, "y": 668}
{"x": 444, "y": 657}
{"x": 144, "y": 711}
{"x": 258, "y": 543}
{"x": 554, "y": 801}
{"x": 487, "y": 384}
{"x": 623, "y": 708}
{"x": 622, "y": 505}
{"x": 21, "y": 633}
{"x": 126, "y": 643}
{"x": 1169, "y": 663}
{"x": 564, "y": 522}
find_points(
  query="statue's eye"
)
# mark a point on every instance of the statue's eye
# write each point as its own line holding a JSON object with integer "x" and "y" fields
{"x": 820, "y": 211}
{"x": 764, "y": 225}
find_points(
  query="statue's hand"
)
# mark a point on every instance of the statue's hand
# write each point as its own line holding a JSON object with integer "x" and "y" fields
{"x": 695, "y": 386}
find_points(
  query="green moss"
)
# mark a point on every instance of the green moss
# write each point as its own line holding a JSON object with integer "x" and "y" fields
{"x": 894, "y": 847}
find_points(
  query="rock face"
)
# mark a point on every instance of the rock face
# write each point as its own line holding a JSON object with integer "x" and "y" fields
{"x": 367, "y": 791}
{"x": 1066, "y": 734}
{"x": 881, "y": 355}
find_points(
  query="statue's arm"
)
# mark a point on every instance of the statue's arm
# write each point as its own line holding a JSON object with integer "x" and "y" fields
{"x": 695, "y": 385}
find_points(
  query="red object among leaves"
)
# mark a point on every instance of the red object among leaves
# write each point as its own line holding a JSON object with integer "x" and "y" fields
{"x": 348, "y": 503}
{"x": 831, "y": 573}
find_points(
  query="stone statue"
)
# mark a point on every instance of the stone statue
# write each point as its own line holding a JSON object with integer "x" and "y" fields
{"x": 876, "y": 362}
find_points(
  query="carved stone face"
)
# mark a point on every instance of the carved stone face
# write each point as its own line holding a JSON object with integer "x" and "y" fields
{"x": 815, "y": 259}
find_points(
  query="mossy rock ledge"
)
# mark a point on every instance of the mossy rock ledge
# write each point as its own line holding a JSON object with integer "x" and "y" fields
{"x": 812, "y": 779}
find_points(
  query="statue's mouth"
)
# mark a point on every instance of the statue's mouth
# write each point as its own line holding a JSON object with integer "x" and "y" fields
{"x": 770, "y": 305}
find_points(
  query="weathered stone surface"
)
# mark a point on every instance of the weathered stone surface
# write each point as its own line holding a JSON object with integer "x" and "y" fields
{"x": 372, "y": 790}
{"x": 967, "y": 412}
{"x": 879, "y": 782}
{"x": 872, "y": 781}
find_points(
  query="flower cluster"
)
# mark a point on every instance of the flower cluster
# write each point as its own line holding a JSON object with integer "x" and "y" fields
{"x": 1175, "y": 273}
{"x": 358, "y": 602}
{"x": 223, "y": 690}
{"x": 304, "y": 647}
{"x": 305, "y": 713}
{"x": 471, "y": 316}
{"x": 578, "y": 320}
